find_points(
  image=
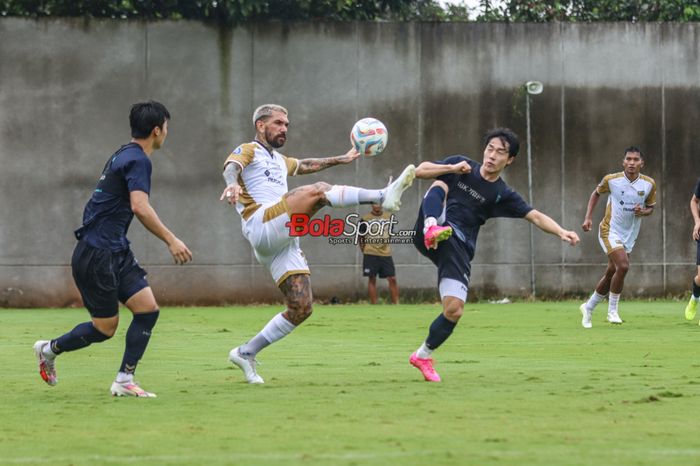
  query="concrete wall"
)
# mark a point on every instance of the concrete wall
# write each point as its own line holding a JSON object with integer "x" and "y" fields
{"x": 66, "y": 87}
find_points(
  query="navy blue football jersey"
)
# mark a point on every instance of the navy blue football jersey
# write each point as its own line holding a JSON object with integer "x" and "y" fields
{"x": 472, "y": 200}
{"x": 108, "y": 213}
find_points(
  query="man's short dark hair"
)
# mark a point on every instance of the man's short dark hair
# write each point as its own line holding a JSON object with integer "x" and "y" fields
{"x": 507, "y": 136}
{"x": 634, "y": 149}
{"x": 144, "y": 116}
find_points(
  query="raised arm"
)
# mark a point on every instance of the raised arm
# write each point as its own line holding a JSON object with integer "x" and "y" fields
{"x": 592, "y": 201}
{"x": 548, "y": 225}
{"x": 430, "y": 170}
{"x": 233, "y": 189}
{"x": 307, "y": 166}
{"x": 149, "y": 218}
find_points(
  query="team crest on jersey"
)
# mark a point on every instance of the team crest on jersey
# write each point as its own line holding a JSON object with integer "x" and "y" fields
{"x": 641, "y": 193}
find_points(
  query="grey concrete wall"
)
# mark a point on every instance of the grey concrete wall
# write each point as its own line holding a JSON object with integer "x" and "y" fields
{"x": 66, "y": 87}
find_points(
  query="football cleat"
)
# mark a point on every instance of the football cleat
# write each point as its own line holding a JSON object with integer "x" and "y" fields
{"x": 614, "y": 318}
{"x": 425, "y": 366}
{"x": 587, "y": 316}
{"x": 434, "y": 234}
{"x": 691, "y": 309}
{"x": 130, "y": 388}
{"x": 393, "y": 192}
{"x": 247, "y": 364}
{"x": 47, "y": 368}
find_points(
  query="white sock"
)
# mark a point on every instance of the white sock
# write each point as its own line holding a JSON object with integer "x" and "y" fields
{"x": 46, "y": 351}
{"x": 612, "y": 302}
{"x": 424, "y": 352}
{"x": 429, "y": 222}
{"x": 594, "y": 300}
{"x": 277, "y": 328}
{"x": 347, "y": 196}
{"x": 123, "y": 377}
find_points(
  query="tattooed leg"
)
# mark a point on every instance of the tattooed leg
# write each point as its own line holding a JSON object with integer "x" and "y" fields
{"x": 297, "y": 294}
{"x": 298, "y": 297}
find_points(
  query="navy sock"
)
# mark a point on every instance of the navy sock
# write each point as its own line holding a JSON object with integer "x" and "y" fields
{"x": 137, "y": 339}
{"x": 440, "y": 330}
{"x": 432, "y": 203}
{"x": 696, "y": 289}
{"x": 81, "y": 336}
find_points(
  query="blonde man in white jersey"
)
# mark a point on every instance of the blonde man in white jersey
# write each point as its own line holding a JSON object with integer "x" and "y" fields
{"x": 256, "y": 183}
{"x": 631, "y": 197}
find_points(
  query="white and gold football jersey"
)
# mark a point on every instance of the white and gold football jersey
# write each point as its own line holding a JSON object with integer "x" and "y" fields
{"x": 263, "y": 178}
{"x": 620, "y": 227}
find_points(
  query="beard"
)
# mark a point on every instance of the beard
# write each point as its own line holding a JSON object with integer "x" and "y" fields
{"x": 276, "y": 142}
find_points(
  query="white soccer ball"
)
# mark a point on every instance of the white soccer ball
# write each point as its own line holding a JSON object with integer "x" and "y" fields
{"x": 369, "y": 136}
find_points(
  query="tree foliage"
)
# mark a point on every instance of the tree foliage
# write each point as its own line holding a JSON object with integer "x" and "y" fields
{"x": 240, "y": 11}
{"x": 237, "y": 11}
{"x": 590, "y": 10}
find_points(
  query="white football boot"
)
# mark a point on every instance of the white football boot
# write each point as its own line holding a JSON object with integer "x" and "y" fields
{"x": 47, "y": 369}
{"x": 247, "y": 364}
{"x": 587, "y": 316}
{"x": 393, "y": 192}
{"x": 614, "y": 317}
{"x": 130, "y": 388}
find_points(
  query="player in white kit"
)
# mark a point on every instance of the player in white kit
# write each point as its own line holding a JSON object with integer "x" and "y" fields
{"x": 631, "y": 197}
{"x": 256, "y": 183}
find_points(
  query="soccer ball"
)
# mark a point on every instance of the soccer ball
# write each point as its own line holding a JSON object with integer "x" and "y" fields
{"x": 369, "y": 136}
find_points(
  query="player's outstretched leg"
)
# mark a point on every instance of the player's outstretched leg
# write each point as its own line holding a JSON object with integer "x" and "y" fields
{"x": 389, "y": 197}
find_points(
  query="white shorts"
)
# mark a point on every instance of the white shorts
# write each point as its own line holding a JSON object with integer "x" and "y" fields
{"x": 454, "y": 288}
{"x": 611, "y": 241}
{"x": 273, "y": 247}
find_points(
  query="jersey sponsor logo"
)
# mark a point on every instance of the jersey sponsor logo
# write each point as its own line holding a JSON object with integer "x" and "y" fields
{"x": 469, "y": 190}
{"x": 349, "y": 230}
{"x": 641, "y": 193}
{"x": 275, "y": 181}
{"x": 238, "y": 150}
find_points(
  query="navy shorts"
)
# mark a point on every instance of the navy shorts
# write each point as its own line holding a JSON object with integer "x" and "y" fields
{"x": 104, "y": 278}
{"x": 697, "y": 253}
{"x": 378, "y": 265}
{"x": 451, "y": 257}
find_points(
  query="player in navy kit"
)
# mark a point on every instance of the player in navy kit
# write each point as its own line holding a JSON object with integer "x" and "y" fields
{"x": 104, "y": 268}
{"x": 465, "y": 195}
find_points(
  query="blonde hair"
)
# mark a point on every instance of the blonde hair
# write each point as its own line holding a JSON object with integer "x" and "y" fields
{"x": 265, "y": 110}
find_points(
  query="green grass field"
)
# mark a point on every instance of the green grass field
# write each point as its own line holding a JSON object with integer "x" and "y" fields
{"x": 522, "y": 384}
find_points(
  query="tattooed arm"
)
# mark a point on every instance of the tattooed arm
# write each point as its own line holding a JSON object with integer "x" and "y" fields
{"x": 233, "y": 189}
{"x": 307, "y": 166}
